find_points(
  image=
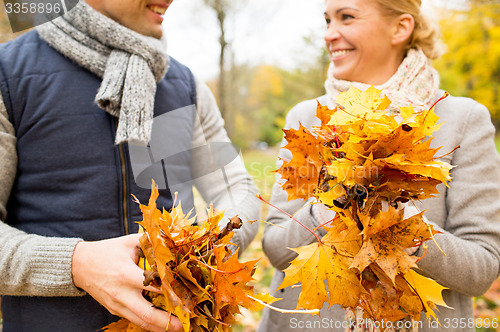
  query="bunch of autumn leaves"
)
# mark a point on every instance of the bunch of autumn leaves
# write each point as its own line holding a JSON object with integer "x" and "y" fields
{"x": 363, "y": 162}
{"x": 200, "y": 278}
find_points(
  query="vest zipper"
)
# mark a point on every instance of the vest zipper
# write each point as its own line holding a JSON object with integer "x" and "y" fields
{"x": 124, "y": 184}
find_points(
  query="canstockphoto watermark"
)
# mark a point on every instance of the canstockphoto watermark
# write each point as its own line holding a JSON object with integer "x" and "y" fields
{"x": 327, "y": 324}
{"x": 168, "y": 158}
{"x": 26, "y": 14}
{"x": 446, "y": 323}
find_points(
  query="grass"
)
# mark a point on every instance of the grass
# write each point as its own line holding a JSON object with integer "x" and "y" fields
{"x": 260, "y": 164}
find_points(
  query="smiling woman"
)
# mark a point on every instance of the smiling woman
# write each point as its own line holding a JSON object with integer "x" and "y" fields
{"x": 360, "y": 45}
{"x": 389, "y": 44}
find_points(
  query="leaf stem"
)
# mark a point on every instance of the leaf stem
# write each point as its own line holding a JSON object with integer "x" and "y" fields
{"x": 220, "y": 271}
{"x": 444, "y": 155}
{"x": 329, "y": 221}
{"x": 210, "y": 316}
{"x": 292, "y": 217}
{"x": 270, "y": 223}
{"x": 285, "y": 311}
{"x": 446, "y": 94}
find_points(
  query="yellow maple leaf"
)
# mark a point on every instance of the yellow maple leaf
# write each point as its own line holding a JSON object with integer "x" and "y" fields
{"x": 368, "y": 105}
{"x": 407, "y": 112}
{"x": 428, "y": 290}
{"x": 427, "y": 122}
{"x": 315, "y": 264}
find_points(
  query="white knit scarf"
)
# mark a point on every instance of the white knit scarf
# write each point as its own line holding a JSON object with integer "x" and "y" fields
{"x": 130, "y": 65}
{"x": 415, "y": 82}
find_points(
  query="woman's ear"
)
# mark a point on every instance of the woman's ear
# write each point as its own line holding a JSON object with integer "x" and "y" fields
{"x": 402, "y": 29}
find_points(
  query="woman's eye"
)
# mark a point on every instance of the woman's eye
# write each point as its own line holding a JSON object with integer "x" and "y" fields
{"x": 346, "y": 17}
{"x": 327, "y": 20}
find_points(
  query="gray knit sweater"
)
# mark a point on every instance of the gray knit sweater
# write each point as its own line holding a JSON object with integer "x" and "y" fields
{"x": 32, "y": 265}
{"x": 467, "y": 213}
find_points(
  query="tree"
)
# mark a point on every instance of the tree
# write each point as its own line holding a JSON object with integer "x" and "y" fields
{"x": 471, "y": 66}
{"x": 222, "y": 8}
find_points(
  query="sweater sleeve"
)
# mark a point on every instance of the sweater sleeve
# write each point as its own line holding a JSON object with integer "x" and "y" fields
{"x": 282, "y": 232}
{"x": 218, "y": 170}
{"x": 30, "y": 265}
{"x": 470, "y": 237}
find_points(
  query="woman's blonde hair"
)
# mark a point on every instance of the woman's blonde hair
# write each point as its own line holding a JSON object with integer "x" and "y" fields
{"x": 426, "y": 34}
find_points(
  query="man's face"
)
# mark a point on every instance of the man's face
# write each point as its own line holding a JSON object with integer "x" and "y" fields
{"x": 142, "y": 16}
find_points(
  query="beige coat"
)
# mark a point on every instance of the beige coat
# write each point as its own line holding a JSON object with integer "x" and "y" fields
{"x": 468, "y": 214}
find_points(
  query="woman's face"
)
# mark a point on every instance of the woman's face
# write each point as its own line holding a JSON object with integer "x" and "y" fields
{"x": 360, "y": 41}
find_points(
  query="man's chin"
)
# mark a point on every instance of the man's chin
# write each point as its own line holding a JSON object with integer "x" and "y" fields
{"x": 157, "y": 34}
{"x": 151, "y": 32}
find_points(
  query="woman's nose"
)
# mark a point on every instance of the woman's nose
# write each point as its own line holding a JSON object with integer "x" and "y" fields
{"x": 332, "y": 33}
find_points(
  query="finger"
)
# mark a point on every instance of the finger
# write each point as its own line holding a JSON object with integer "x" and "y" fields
{"x": 384, "y": 205}
{"x": 134, "y": 307}
{"x": 155, "y": 317}
{"x": 135, "y": 277}
{"x": 131, "y": 243}
{"x": 411, "y": 251}
{"x": 132, "y": 240}
{"x": 137, "y": 280}
{"x": 136, "y": 320}
{"x": 410, "y": 211}
{"x": 152, "y": 289}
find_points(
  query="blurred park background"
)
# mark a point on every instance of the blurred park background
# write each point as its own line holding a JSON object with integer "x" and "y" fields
{"x": 262, "y": 57}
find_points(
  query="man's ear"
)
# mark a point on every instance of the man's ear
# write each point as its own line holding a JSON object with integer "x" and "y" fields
{"x": 402, "y": 28}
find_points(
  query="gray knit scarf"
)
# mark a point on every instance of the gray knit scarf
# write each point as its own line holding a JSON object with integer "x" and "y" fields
{"x": 129, "y": 64}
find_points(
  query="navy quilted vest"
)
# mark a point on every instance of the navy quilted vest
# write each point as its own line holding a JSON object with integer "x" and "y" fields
{"x": 72, "y": 180}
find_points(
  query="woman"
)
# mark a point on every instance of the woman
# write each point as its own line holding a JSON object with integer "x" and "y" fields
{"x": 388, "y": 43}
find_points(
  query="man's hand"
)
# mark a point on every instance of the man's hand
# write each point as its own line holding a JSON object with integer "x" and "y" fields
{"x": 107, "y": 270}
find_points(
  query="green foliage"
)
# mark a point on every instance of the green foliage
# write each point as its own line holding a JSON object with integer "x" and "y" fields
{"x": 471, "y": 66}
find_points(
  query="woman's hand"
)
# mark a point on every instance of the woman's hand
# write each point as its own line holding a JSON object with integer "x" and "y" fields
{"x": 410, "y": 211}
{"x": 322, "y": 215}
{"x": 108, "y": 271}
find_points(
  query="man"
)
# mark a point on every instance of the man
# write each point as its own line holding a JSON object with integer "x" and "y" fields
{"x": 70, "y": 160}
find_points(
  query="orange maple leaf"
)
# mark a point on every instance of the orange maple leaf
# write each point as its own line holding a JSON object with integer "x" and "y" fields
{"x": 301, "y": 173}
{"x": 201, "y": 280}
